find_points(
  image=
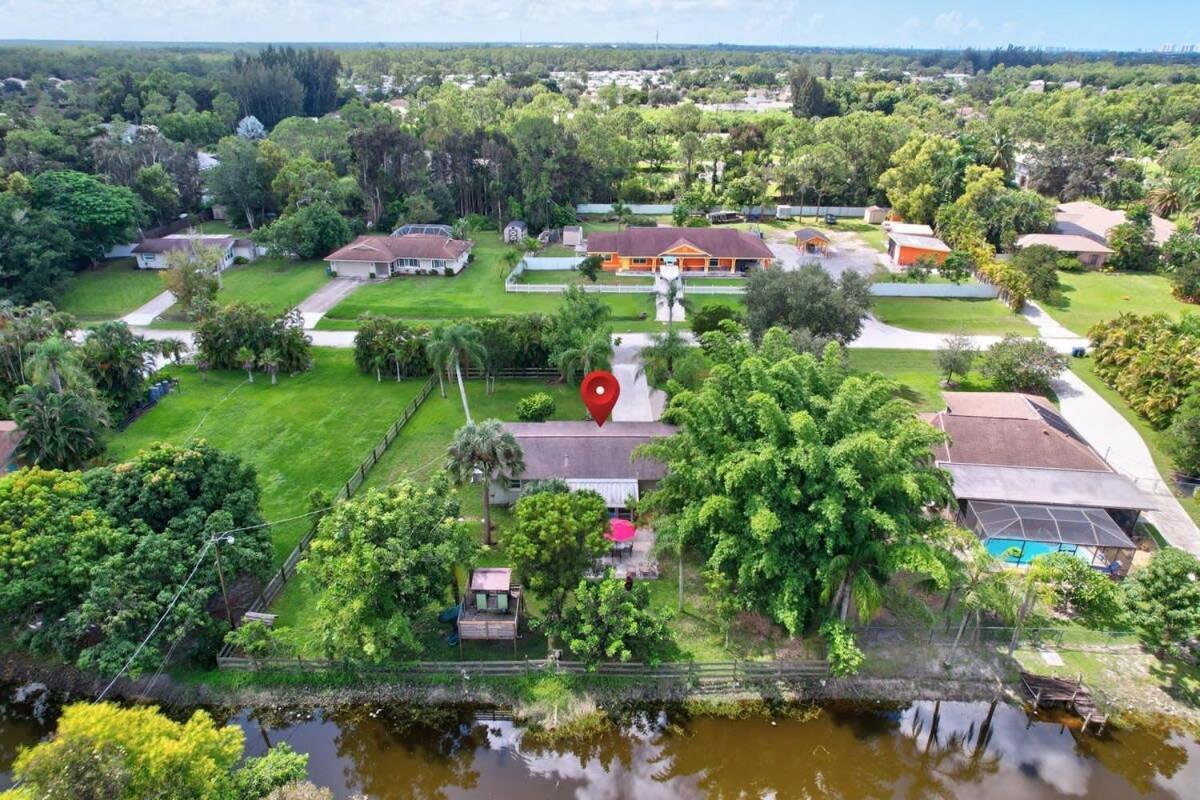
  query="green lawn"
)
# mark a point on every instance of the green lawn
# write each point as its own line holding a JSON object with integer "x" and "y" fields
{"x": 1155, "y": 440}
{"x": 1091, "y": 297}
{"x": 916, "y": 373}
{"x": 272, "y": 282}
{"x": 478, "y": 291}
{"x": 569, "y": 276}
{"x": 311, "y": 431}
{"x": 113, "y": 290}
{"x": 219, "y": 226}
{"x": 951, "y": 315}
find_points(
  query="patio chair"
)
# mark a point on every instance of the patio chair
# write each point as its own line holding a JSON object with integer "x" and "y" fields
{"x": 502, "y": 603}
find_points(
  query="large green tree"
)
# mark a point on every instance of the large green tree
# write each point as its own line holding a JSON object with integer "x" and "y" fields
{"x": 786, "y": 470}
{"x": 1164, "y": 600}
{"x": 555, "y": 541}
{"x": 382, "y": 559}
{"x": 807, "y": 299}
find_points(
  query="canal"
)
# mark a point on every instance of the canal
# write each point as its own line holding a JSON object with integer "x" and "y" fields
{"x": 925, "y": 749}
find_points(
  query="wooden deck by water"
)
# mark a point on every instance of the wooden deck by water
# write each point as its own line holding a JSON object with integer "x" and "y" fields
{"x": 1054, "y": 692}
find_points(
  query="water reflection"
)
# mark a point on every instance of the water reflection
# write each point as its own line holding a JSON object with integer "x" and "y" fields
{"x": 935, "y": 749}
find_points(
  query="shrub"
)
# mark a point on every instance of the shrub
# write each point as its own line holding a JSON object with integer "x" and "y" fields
{"x": 840, "y": 649}
{"x": 639, "y": 221}
{"x": 696, "y": 222}
{"x": 1150, "y": 360}
{"x": 537, "y": 407}
{"x": 1183, "y": 443}
{"x": 709, "y": 318}
{"x": 1185, "y": 282}
{"x": 1022, "y": 365}
{"x": 447, "y": 271}
{"x": 240, "y": 260}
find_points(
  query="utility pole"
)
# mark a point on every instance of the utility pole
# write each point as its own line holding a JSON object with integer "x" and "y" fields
{"x": 221, "y": 575}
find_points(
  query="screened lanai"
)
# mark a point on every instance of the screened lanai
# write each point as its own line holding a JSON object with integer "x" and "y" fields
{"x": 1021, "y": 532}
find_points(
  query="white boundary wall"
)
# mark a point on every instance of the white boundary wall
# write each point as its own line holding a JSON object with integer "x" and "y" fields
{"x": 978, "y": 290}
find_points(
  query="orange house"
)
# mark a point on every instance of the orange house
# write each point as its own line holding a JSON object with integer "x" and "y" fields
{"x": 691, "y": 249}
{"x": 905, "y": 248}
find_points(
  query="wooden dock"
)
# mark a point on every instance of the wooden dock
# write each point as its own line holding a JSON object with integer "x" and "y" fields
{"x": 1054, "y": 692}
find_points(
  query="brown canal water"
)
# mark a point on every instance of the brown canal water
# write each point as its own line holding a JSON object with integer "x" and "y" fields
{"x": 921, "y": 750}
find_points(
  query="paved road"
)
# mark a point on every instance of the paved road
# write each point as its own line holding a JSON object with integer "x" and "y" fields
{"x": 150, "y": 311}
{"x": 315, "y": 306}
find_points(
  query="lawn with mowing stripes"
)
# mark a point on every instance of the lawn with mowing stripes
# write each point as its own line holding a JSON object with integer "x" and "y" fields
{"x": 310, "y": 431}
{"x": 916, "y": 372}
{"x": 951, "y": 315}
{"x": 110, "y": 291}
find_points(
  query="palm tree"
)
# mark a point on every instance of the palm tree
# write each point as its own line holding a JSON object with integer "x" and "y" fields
{"x": 172, "y": 349}
{"x": 509, "y": 260}
{"x": 658, "y": 358}
{"x": 979, "y": 584}
{"x": 452, "y": 346}
{"x": 856, "y": 576}
{"x": 397, "y": 352}
{"x": 1174, "y": 195}
{"x": 61, "y": 429}
{"x": 621, "y": 211}
{"x": 52, "y": 361}
{"x": 269, "y": 361}
{"x": 589, "y": 351}
{"x": 489, "y": 451}
{"x": 247, "y": 359}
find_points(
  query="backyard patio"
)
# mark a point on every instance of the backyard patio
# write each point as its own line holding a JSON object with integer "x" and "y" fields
{"x": 631, "y": 553}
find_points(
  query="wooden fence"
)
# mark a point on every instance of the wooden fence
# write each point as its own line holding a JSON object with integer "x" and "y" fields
{"x": 277, "y": 582}
{"x": 691, "y": 672}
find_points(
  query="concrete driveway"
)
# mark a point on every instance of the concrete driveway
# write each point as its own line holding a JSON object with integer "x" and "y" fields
{"x": 847, "y": 253}
{"x": 313, "y": 307}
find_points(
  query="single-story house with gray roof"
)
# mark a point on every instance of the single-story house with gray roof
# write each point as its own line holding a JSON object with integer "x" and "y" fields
{"x": 587, "y": 456}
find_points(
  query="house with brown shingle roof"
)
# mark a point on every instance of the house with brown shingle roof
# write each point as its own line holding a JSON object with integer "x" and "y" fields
{"x": 1028, "y": 484}
{"x": 1085, "y": 218}
{"x": 409, "y": 254}
{"x": 690, "y": 249}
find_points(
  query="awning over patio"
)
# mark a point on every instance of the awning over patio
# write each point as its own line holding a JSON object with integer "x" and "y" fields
{"x": 1057, "y": 487}
{"x": 614, "y": 492}
{"x": 1059, "y": 525}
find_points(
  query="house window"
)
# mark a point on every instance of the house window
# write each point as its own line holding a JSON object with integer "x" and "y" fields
{"x": 714, "y": 262}
{"x": 148, "y": 257}
{"x": 638, "y": 261}
{"x": 439, "y": 263}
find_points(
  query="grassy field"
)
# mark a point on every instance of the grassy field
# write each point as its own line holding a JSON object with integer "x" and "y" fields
{"x": 951, "y": 315}
{"x": 109, "y": 292}
{"x": 219, "y": 226}
{"x": 569, "y": 276}
{"x": 309, "y": 432}
{"x": 478, "y": 291}
{"x": 275, "y": 283}
{"x": 1155, "y": 440}
{"x": 916, "y": 373}
{"x": 1091, "y": 297}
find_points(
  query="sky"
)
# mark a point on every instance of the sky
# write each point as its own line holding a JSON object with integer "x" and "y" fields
{"x": 1096, "y": 25}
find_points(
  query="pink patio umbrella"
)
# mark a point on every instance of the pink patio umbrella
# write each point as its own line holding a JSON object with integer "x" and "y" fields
{"x": 620, "y": 530}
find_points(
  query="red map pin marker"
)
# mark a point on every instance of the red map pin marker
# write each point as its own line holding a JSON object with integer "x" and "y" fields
{"x": 600, "y": 391}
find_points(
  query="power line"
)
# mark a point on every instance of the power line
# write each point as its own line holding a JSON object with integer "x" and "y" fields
{"x": 195, "y": 568}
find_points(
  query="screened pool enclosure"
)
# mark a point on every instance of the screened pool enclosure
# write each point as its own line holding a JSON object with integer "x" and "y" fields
{"x": 1021, "y": 532}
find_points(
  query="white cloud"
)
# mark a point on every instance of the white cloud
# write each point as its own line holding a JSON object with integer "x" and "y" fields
{"x": 953, "y": 22}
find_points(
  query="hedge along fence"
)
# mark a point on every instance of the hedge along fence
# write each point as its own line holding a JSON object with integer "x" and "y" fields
{"x": 277, "y": 582}
{"x": 692, "y": 672}
{"x": 968, "y": 290}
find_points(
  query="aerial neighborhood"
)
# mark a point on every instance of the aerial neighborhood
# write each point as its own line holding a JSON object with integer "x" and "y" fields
{"x": 369, "y": 409}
